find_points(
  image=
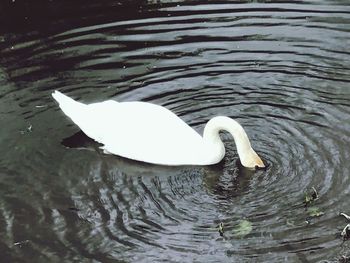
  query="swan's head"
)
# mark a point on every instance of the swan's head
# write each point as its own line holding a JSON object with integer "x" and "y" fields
{"x": 252, "y": 160}
{"x": 259, "y": 163}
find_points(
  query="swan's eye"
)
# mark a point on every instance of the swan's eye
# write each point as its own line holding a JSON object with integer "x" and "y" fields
{"x": 256, "y": 167}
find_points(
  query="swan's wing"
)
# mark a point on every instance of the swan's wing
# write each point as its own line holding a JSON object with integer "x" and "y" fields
{"x": 142, "y": 131}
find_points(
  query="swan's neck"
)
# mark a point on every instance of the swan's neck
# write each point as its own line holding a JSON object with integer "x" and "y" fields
{"x": 245, "y": 152}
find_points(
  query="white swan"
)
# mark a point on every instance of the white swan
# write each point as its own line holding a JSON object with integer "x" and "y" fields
{"x": 153, "y": 134}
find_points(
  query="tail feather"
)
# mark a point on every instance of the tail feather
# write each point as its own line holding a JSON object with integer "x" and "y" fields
{"x": 69, "y": 106}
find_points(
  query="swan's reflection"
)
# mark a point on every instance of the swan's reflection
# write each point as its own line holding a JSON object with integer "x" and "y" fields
{"x": 227, "y": 179}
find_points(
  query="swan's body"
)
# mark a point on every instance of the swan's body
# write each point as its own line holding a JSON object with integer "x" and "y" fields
{"x": 151, "y": 133}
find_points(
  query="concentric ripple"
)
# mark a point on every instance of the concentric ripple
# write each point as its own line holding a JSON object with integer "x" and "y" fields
{"x": 281, "y": 69}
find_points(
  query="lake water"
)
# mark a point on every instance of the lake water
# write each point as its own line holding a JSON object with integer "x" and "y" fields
{"x": 281, "y": 68}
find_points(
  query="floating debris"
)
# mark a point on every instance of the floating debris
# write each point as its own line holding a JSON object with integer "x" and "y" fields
{"x": 344, "y": 259}
{"x": 310, "y": 196}
{"x": 21, "y": 243}
{"x": 346, "y": 232}
{"x": 244, "y": 228}
{"x": 345, "y": 215}
{"x": 28, "y": 129}
{"x": 221, "y": 229}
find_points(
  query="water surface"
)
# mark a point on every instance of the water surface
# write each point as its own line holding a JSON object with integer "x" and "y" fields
{"x": 281, "y": 68}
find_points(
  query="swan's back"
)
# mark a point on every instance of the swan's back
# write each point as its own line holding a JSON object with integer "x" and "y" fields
{"x": 138, "y": 130}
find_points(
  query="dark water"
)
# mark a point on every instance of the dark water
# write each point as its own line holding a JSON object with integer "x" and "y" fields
{"x": 281, "y": 68}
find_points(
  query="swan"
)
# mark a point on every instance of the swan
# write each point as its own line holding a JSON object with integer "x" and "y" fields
{"x": 150, "y": 133}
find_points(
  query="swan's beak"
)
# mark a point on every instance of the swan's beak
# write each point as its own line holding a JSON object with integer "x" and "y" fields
{"x": 252, "y": 160}
{"x": 259, "y": 163}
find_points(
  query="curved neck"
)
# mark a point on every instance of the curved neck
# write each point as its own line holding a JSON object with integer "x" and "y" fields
{"x": 216, "y": 124}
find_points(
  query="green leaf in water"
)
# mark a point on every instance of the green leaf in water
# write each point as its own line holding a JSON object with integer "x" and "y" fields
{"x": 243, "y": 228}
{"x": 315, "y": 212}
